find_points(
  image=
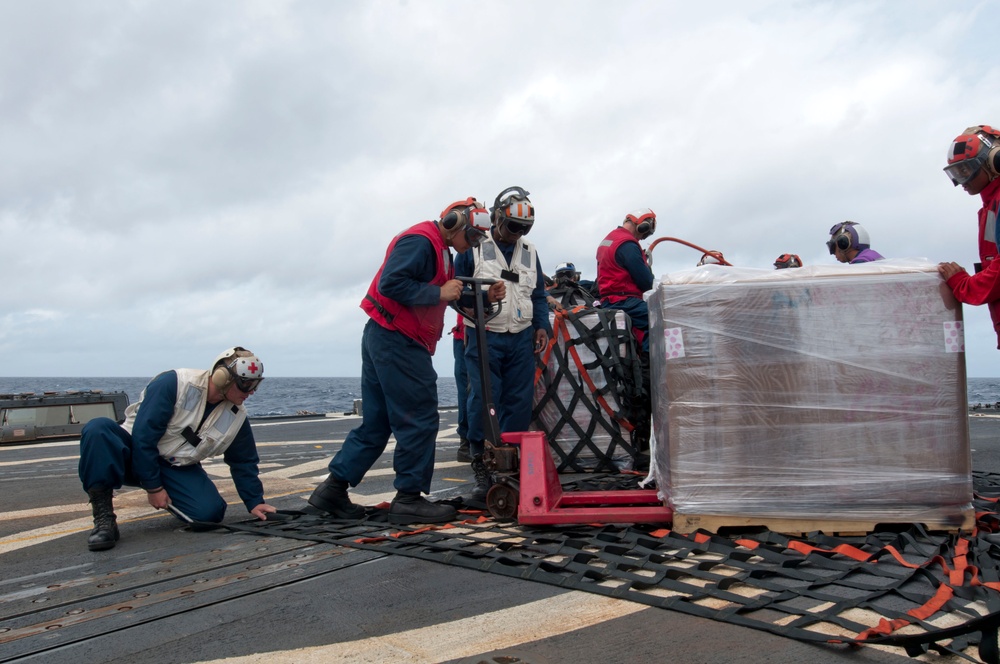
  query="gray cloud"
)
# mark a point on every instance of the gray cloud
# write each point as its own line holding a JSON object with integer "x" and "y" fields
{"x": 179, "y": 177}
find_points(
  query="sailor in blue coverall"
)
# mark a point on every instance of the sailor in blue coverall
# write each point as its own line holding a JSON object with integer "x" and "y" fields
{"x": 623, "y": 275}
{"x": 153, "y": 452}
{"x": 405, "y": 304}
{"x": 513, "y": 338}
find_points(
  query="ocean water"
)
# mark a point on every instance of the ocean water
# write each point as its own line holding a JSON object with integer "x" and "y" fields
{"x": 276, "y": 396}
{"x": 290, "y": 396}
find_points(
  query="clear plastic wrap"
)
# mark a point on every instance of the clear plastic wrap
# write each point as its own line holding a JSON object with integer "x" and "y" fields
{"x": 820, "y": 392}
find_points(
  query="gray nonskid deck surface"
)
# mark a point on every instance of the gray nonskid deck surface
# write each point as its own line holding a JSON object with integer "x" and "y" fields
{"x": 201, "y": 596}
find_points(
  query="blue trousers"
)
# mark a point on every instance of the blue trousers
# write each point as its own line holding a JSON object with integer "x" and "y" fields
{"x": 399, "y": 396}
{"x": 106, "y": 462}
{"x": 638, "y": 312}
{"x": 461, "y": 387}
{"x": 512, "y": 380}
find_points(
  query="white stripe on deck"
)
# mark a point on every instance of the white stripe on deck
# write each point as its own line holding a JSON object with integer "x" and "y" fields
{"x": 501, "y": 630}
{"x": 131, "y": 504}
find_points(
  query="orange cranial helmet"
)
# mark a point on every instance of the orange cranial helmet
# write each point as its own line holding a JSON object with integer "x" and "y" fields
{"x": 975, "y": 148}
{"x": 469, "y": 215}
{"x": 787, "y": 260}
{"x": 644, "y": 220}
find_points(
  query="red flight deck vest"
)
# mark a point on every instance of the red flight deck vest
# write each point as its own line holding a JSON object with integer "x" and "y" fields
{"x": 423, "y": 324}
{"x": 987, "y": 240}
{"x": 614, "y": 283}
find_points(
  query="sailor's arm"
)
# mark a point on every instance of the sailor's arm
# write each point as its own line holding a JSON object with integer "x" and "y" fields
{"x": 150, "y": 424}
{"x": 242, "y": 459}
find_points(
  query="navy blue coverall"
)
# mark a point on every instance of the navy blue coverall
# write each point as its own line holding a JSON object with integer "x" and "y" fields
{"x": 629, "y": 256}
{"x": 512, "y": 361}
{"x": 398, "y": 381}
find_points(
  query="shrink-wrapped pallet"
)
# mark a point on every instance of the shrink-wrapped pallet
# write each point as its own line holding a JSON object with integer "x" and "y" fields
{"x": 833, "y": 392}
{"x": 583, "y": 391}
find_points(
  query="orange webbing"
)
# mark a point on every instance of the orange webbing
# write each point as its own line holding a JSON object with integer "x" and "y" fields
{"x": 562, "y": 327}
{"x": 945, "y": 591}
{"x": 843, "y": 549}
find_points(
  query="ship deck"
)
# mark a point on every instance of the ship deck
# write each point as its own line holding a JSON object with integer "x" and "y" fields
{"x": 180, "y": 596}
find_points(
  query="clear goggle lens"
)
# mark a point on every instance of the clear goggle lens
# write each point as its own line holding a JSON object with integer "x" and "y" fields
{"x": 963, "y": 171}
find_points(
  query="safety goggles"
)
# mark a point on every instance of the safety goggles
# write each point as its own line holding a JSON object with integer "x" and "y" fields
{"x": 518, "y": 227}
{"x": 246, "y": 385}
{"x": 963, "y": 171}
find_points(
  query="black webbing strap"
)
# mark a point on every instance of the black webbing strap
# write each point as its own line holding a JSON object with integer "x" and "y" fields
{"x": 619, "y": 372}
{"x": 378, "y": 307}
{"x": 817, "y": 588}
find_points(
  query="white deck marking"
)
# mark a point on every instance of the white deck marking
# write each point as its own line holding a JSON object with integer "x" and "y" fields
{"x": 504, "y": 630}
{"x": 131, "y": 504}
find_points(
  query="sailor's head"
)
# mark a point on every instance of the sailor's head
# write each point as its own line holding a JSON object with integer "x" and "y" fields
{"x": 513, "y": 214}
{"x": 847, "y": 240}
{"x": 785, "y": 261}
{"x": 641, "y": 223}
{"x": 974, "y": 158}
{"x": 464, "y": 224}
{"x": 566, "y": 272}
{"x": 237, "y": 373}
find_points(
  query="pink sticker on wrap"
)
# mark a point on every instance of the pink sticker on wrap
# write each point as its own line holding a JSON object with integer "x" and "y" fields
{"x": 954, "y": 337}
{"x": 675, "y": 343}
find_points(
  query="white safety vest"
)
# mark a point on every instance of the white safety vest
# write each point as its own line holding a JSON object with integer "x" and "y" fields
{"x": 214, "y": 435}
{"x": 490, "y": 263}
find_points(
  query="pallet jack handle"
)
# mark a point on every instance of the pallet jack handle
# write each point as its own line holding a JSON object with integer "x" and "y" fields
{"x": 491, "y": 425}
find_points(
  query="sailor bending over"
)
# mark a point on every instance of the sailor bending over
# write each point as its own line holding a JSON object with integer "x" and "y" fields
{"x": 405, "y": 304}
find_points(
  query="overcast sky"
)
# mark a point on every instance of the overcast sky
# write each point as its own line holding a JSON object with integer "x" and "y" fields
{"x": 180, "y": 177}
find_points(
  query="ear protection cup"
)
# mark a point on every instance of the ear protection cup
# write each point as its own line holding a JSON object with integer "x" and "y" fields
{"x": 993, "y": 161}
{"x": 843, "y": 241}
{"x": 454, "y": 220}
{"x": 221, "y": 378}
{"x": 644, "y": 220}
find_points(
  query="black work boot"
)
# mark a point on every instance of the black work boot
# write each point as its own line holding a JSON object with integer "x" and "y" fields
{"x": 105, "y": 532}
{"x": 483, "y": 479}
{"x": 464, "y": 455}
{"x": 410, "y": 508}
{"x": 331, "y": 496}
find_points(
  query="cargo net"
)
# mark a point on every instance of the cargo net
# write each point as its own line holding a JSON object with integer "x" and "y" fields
{"x": 910, "y": 589}
{"x": 587, "y": 384}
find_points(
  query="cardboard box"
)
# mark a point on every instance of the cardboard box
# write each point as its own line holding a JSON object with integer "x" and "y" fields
{"x": 817, "y": 393}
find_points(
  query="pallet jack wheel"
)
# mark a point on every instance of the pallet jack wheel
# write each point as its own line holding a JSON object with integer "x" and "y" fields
{"x": 501, "y": 501}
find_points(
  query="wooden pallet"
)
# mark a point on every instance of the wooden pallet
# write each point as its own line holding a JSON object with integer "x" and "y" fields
{"x": 716, "y": 523}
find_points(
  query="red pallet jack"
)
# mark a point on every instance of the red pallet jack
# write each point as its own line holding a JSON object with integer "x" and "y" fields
{"x": 526, "y": 485}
